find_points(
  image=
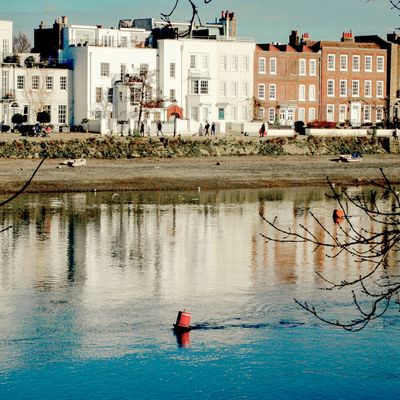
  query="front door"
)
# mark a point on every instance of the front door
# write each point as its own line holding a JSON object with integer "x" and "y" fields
{"x": 355, "y": 114}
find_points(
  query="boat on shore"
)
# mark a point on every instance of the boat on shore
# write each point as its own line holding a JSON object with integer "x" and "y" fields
{"x": 354, "y": 157}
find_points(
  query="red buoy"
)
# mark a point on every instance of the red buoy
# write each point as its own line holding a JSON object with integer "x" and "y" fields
{"x": 338, "y": 216}
{"x": 183, "y": 321}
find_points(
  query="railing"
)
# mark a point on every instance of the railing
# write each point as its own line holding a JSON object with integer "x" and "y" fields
{"x": 113, "y": 44}
{"x": 7, "y": 94}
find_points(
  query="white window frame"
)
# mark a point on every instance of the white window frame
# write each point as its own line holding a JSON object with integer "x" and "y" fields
{"x": 311, "y": 114}
{"x": 312, "y": 68}
{"x": 49, "y": 83}
{"x": 272, "y": 66}
{"x": 367, "y": 88}
{"x": 234, "y": 89}
{"x": 172, "y": 70}
{"x": 272, "y": 91}
{"x": 367, "y": 113}
{"x": 261, "y": 91}
{"x": 302, "y": 92}
{"x": 343, "y": 88}
{"x": 380, "y": 64}
{"x": 193, "y": 61}
{"x": 35, "y": 82}
{"x": 261, "y": 113}
{"x": 312, "y": 93}
{"x": 331, "y": 61}
{"x": 368, "y": 64}
{"x": 271, "y": 114}
{"x": 245, "y": 89}
{"x": 342, "y": 112}
{"x": 62, "y": 114}
{"x": 302, "y": 67}
{"x": 104, "y": 70}
{"x": 234, "y": 63}
{"x": 301, "y": 114}
{"x": 63, "y": 83}
{"x": 343, "y": 61}
{"x": 223, "y": 62}
{"x": 222, "y": 89}
{"x": 355, "y": 88}
{"x": 330, "y": 88}
{"x": 245, "y": 63}
{"x": 379, "y": 114}
{"x": 20, "y": 82}
{"x": 356, "y": 63}
{"x": 261, "y": 65}
{"x": 379, "y": 89}
{"x": 330, "y": 112}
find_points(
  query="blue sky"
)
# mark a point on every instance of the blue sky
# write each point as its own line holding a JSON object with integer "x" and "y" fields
{"x": 265, "y": 20}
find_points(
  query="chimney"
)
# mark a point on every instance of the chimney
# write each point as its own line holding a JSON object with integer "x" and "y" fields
{"x": 294, "y": 39}
{"x": 347, "y": 37}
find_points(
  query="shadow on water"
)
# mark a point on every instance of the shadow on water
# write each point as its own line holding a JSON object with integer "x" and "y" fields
{"x": 216, "y": 326}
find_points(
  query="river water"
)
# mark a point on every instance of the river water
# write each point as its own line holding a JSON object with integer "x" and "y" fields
{"x": 90, "y": 285}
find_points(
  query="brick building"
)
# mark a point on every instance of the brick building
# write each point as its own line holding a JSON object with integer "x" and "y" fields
{"x": 286, "y": 82}
{"x": 353, "y": 80}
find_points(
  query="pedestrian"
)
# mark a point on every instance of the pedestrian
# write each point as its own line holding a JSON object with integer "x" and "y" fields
{"x": 159, "y": 128}
{"x": 206, "y": 128}
{"x": 262, "y": 130}
{"x": 142, "y": 129}
{"x": 213, "y": 129}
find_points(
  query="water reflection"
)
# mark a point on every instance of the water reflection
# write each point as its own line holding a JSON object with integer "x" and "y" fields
{"x": 97, "y": 275}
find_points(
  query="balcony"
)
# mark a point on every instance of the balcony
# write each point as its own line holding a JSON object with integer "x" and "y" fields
{"x": 7, "y": 94}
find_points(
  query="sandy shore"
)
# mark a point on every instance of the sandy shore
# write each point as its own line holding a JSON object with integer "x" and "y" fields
{"x": 208, "y": 173}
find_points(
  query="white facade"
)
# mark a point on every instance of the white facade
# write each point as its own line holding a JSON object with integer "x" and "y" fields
{"x": 212, "y": 80}
{"x": 27, "y": 91}
{"x": 6, "y": 38}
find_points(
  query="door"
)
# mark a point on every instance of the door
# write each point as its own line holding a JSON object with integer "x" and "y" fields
{"x": 355, "y": 114}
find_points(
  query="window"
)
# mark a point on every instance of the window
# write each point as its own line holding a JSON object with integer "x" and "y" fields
{"x": 234, "y": 63}
{"x": 343, "y": 88}
{"x": 245, "y": 63}
{"x": 221, "y": 113}
{"x": 379, "y": 88}
{"x": 272, "y": 66}
{"x": 234, "y": 89}
{"x": 367, "y": 88}
{"x": 98, "y": 94}
{"x": 355, "y": 88}
{"x": 261, "y": 65}
{"x": 172, "y": 95}
{"x": 331, "y": 62}
{"x": 233, "y": 113}
{"x": 194, "y": 113}
{"x": 311, "y": 93}
{"x": 110, "y": 95}
{"x": 204, "y": 87}
{"x": 330, "y": 112}
{"x": 222, "y": 89}
{"x": 122, "y": 69}
{"x": 204, "y": 62}
{"x": 271, "y": 114}
{"x": 261, "y": 91}
{"x": 312, "y": 67}
{"x": 63, "y": 83}
{"x": 272, "y": 92}
{"x": 342, "y": 112}
{"x": 261, "y": 113}
{"x": 193, "y": 61}
{"x": 26, "y": 113}
{"x": 302, "y": 92}
{"x": 143, "y": 69}
{"x": 356, "y": 63}
{"x": 62, "y": 114}
{"x": 47, "y": 108}
{"x": 104, "y": 69}
{"x": 331, "y": 88}
{"x": 343, "y": 62}
{"x": 311, "y": 114}
{"x": 245, "y": 89}
{"x": 49, "y": 83}
{"x": 379, "y": 114}
{"x": 172, "y": 70}
{"x": 301, "y": 115}
{"x": 245, "y": 113}
{"x": 367, "y": 113}
{"x": 223, "y": 63}
{"x": 124, "y": 41}
{"x": 302, "y": 67}
{"x": 194, "y": 87}
{"x": 20, "y": 82}
{"x": 368, "y": 63}
{"x": 380, "y": 64}
{"x": 35, "y": 82}
{"x": 6, "y": 47}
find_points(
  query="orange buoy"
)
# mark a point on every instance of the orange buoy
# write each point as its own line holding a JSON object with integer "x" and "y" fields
{"x": 183, "y": 321}
{"x": 338, "y": 216}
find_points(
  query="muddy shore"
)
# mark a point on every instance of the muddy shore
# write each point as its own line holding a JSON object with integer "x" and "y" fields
{"x": 208, "y": 173}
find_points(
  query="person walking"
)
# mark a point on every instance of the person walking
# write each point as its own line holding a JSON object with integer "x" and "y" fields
{"x": 262, "y": 130}
{"x": 159, "y": 128}
{"x": 142, "y": 129}
{"x": 206, "y": 128}
{"x": 213, "y": 129}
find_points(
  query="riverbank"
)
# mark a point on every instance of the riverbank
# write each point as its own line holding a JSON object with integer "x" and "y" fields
{"x": 189, "y": 174}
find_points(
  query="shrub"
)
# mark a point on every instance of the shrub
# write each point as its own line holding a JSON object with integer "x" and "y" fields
{"x": 5, "y": 128}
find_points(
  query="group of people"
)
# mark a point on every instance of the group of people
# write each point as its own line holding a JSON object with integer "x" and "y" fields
{"x": 148, "y": 123}
{"x": 206, "y": 129}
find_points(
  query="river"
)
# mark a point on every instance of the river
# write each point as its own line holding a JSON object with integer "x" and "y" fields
{"x": 91, "y": 283}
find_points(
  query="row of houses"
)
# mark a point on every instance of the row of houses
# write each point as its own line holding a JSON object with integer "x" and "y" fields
{"x": 143, "y": 70}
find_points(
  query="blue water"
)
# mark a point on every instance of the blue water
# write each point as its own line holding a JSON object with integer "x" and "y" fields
{"x": 90, "y": 288}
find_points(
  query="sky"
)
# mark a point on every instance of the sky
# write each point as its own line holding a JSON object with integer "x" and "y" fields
{"x": 264, "y": 20}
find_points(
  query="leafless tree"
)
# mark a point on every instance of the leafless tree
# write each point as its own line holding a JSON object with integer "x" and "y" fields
{"x": 21, "y": 44}
{"x": 195, "y": 16}
{"x": 375, "y": 290}
{"x": 395, "y": 4}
